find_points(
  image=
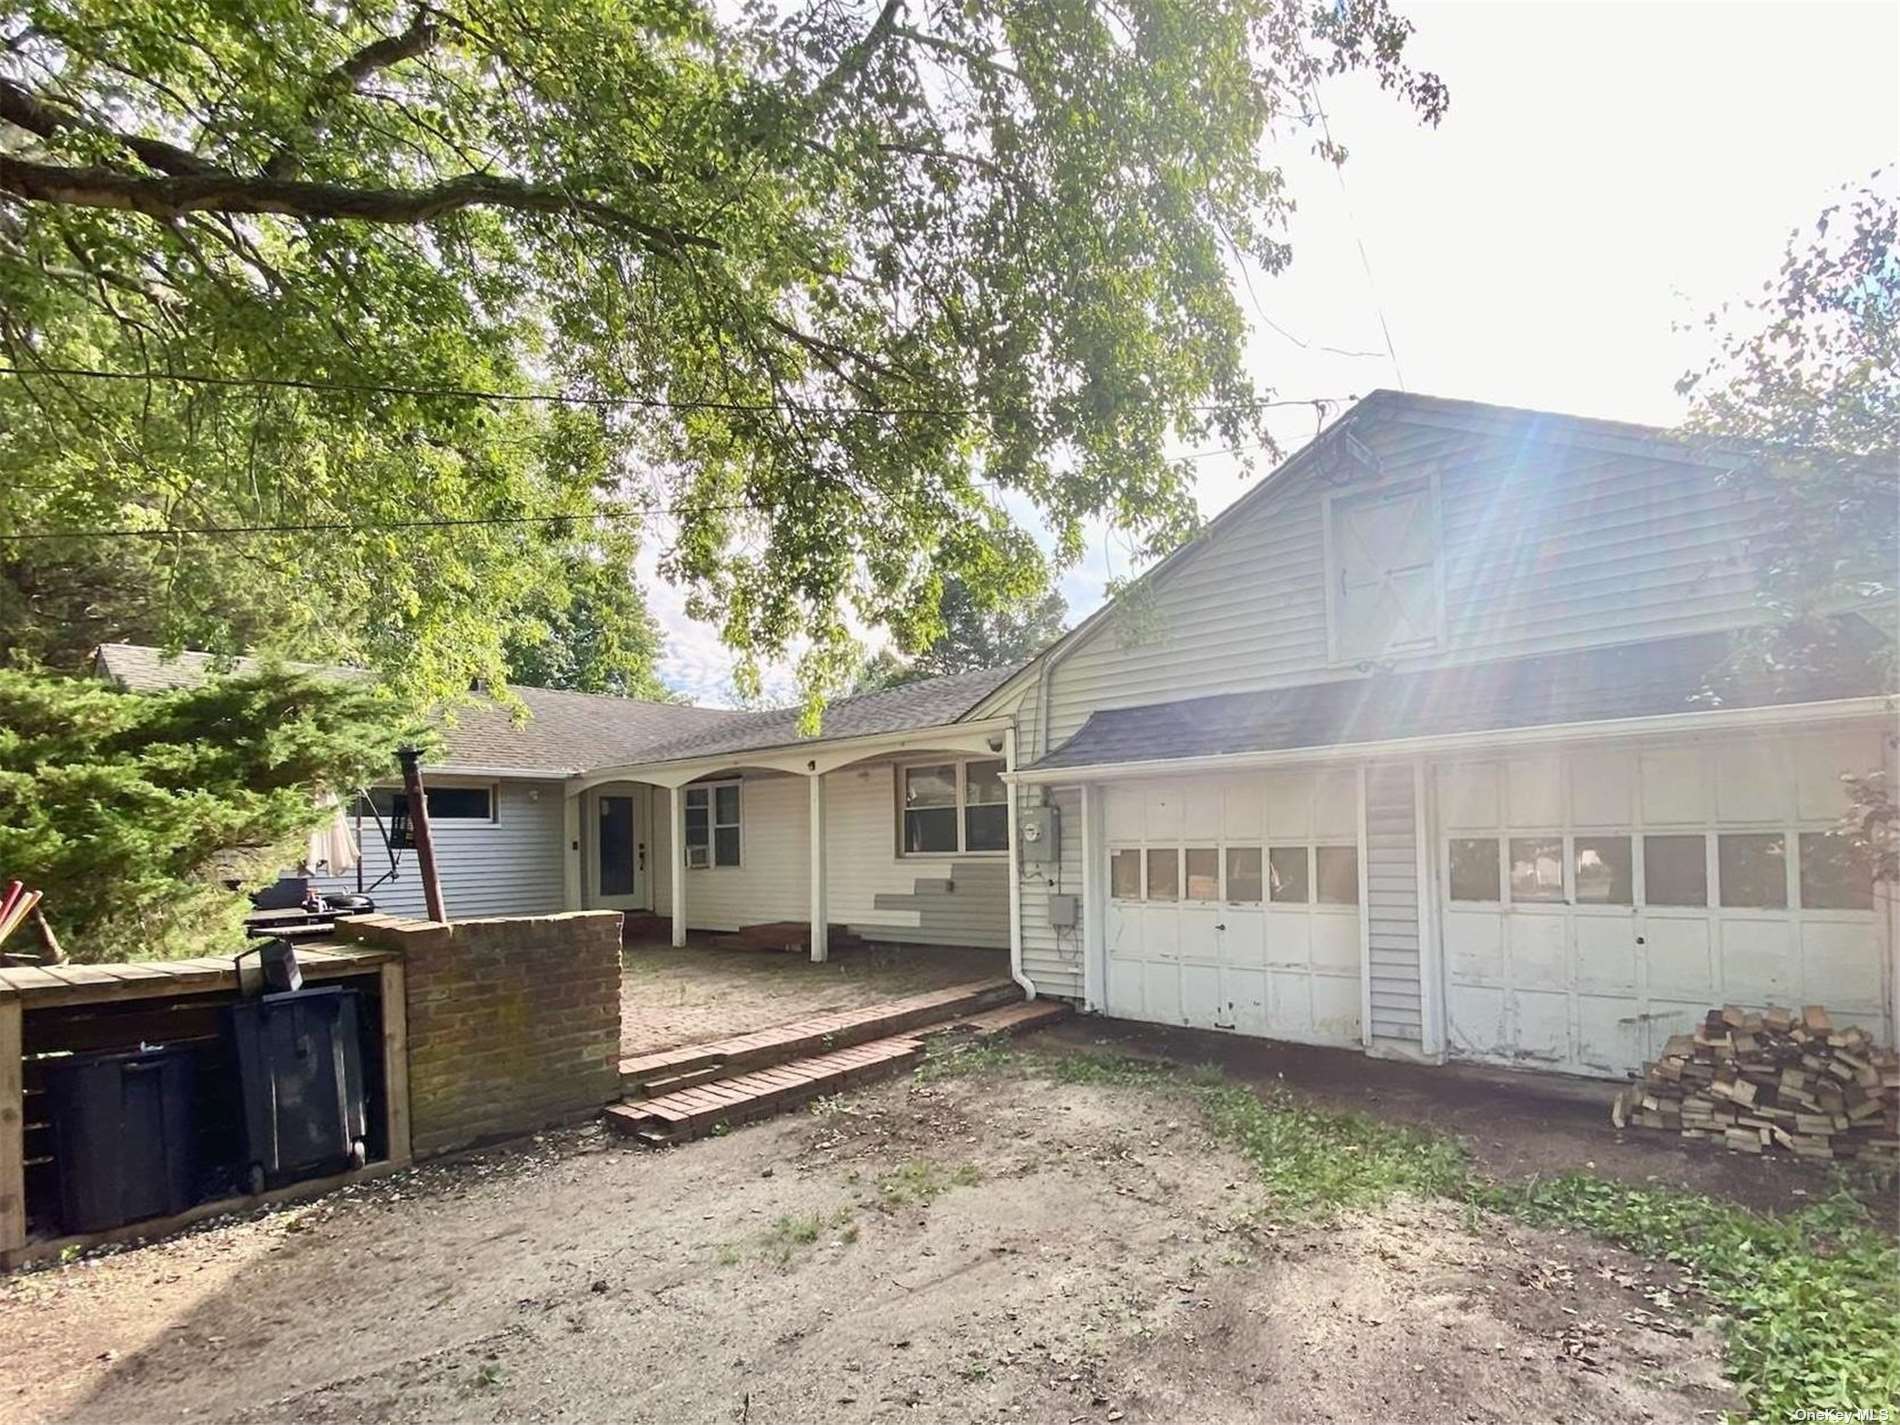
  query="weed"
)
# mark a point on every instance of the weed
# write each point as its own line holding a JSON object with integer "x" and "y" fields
{"x": 488, "y": 1375}
{"x": 720, "y": 1130}
{"x": 923, "y": 1180}
{"x": 1811, "y": 1298}
{"x": 726, "y": 1255}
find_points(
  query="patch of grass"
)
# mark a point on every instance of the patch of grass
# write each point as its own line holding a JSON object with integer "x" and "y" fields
{"x": 924, "y": 1180}
{"x": 793, "y": 1231}
{"x": 727, "y": 1255}
{"x": 1812, "y": 1299}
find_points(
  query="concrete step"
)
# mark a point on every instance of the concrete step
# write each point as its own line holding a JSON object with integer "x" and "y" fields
{"x": 818, "y": 1034}
{"x": 689, "y": 1113}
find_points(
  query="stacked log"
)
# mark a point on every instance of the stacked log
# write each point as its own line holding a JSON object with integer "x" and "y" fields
{"x": 1774, "y": 1080}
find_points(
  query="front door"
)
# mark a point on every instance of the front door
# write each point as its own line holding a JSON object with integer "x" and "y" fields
{"x": 617, "y": 866}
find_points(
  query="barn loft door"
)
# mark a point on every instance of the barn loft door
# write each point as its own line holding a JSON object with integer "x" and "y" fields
{"x": 1385, "y": 556}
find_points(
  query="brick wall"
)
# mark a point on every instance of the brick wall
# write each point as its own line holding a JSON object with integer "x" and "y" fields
{"x": 513, "y": 1023}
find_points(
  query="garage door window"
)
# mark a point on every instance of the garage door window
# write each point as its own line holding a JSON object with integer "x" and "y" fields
{"x": 1203, "y": 873}
{"x": 1243, "y": 875}
{"x": 1288, "y": 867}
{"x": 1753, "y": 872}
{"x": 1475, "y": 875}
{"x": 1124, "y": 875}
{"x": 1537, "y": 868}
{"x": 1676, "y": 870}
{"x": 1336, "y": 873}
{"x": 1164, "y": 874}
{"x": 1835, "y": 875}
{"x": 1602, "y": 871}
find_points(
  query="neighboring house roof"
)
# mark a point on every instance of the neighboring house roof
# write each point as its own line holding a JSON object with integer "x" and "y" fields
{"x": 1628, "y": 680}
{"x": 577, "y": 732}
{"x": 931, "y": 703}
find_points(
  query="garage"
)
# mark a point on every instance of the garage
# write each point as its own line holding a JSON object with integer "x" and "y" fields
{"x": 1234, "y": 903}
{"x": 1599, "y": 899}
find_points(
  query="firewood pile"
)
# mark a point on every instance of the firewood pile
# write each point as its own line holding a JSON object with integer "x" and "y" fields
{"x": 1778, "y": 1079}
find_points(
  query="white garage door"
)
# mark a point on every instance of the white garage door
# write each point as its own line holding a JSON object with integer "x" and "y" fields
{"x": 1234, "y": 904}
{"x": 1597, "y": 901}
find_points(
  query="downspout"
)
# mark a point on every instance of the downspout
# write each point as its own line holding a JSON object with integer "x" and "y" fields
{"x": 1016, "y": 972}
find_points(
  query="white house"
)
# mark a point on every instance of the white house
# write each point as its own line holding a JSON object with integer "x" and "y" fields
{"x": 1412, "y": 750}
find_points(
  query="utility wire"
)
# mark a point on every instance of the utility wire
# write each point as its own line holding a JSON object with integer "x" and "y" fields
{"x": 473, "y": 393}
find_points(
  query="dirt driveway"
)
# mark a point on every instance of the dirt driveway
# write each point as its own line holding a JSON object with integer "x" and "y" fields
{"x": 986, "y": 1248}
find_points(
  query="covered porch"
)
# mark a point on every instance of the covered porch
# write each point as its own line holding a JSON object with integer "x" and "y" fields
{"x": 893, "y": 838}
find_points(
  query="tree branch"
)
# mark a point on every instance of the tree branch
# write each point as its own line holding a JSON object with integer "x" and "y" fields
{"x": 371, "y": 58}
{"x": 851, "y": 64}
{"x": 27, "y": 111}
{"x": 217, "y": 191}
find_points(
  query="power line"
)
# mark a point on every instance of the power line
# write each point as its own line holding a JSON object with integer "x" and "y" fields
{"x": 1365, "y": 260}
{"x": 328, "y": 526}
{"x": 657, "y": 403}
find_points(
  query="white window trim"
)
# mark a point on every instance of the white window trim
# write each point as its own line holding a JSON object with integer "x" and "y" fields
{"x": 713, "y": 825}
{"x": 1387, "y": 488}
{"x": 898, "y": 769}
{"x": 1312, "y": 904}
{"x": 458, "y": 823}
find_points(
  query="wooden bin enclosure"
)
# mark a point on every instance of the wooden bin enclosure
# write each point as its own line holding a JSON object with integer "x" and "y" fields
{"x": 89, "y": 1008}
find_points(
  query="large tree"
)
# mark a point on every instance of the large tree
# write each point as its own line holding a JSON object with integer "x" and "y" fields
{"x": 1801, "y": 396}
{"x": 824, "y": 286}
{"x": 974, "y": 636}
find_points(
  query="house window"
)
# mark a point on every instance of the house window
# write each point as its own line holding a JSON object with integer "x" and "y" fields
{"x": 466, "y": 806}
{"x": 954, "y": 807}
{"x": 1124, "y": 874}
{"x": 1287, "y": 874}
{"x": 1382, "y": 572}
{"x": 1203, "y": 873}
{"x": 1164, "y": 873}
{"x": 712, "y": 824}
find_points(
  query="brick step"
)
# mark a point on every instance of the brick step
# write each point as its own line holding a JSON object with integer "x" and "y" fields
{"x": 1009, "y": 1020}
{"x": 689, "y": 1113}
{"x": 668, "y": 1083}
{"x": 821, "y": 1032}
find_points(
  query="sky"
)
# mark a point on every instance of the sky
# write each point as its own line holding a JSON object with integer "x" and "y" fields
{"x": 1607, "y": 173}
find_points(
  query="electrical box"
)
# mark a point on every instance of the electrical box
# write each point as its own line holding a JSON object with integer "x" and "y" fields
{"x": 1062, "y": 912}
{"x": 1041, "y": 834}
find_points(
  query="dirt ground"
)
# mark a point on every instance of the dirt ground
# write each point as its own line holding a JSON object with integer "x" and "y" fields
{"x": 978, "y": 1249}
{"x": 670, "y": 997}
{"x": 1515, "y": 1124}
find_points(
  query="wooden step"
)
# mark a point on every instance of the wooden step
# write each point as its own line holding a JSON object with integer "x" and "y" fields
{"x": 819, "y": 1033}
{"x": 690, "y": 1113}
{"x": 1009, "y": 1020}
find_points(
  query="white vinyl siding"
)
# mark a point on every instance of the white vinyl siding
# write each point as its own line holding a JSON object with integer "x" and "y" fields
{"x": 512, "y": 865}
{"x": 1567, "y": 546}
{"x": 1393, "y": 905}
{"x": 1052, "y": 958}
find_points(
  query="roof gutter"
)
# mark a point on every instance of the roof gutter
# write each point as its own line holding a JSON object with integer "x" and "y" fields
{"x": 1717, "y": 719}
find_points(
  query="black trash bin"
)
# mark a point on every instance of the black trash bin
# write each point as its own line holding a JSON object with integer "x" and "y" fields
{"x": 123, "y": 1135}
{"x": 300, "y": 1072}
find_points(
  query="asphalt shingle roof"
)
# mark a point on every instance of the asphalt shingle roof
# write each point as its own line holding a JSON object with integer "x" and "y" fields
{"x": 1585, "y": 685}
{"x": 577, "y": 732}
{"x": 931, "y": 703}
